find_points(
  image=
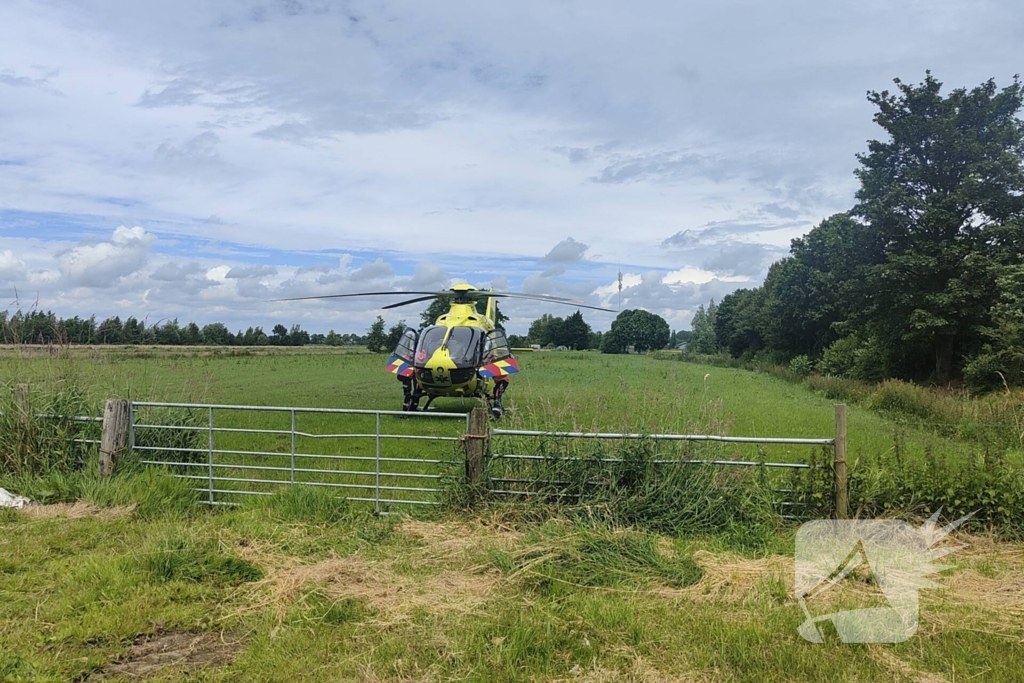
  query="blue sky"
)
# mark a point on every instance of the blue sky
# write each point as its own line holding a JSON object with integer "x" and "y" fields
{"x": 198, "y": 159}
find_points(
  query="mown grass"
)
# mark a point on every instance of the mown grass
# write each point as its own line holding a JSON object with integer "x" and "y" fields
{"x": 302, "y": 586}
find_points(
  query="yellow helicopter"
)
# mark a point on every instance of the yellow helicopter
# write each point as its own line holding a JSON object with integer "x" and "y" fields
{"x": 464, "y": 354}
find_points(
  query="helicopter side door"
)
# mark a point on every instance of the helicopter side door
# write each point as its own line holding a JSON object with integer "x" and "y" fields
{"x": 498, "y": 361}
{"x": 496, "y": 347}
{"x": 401, "y": 361}
{"x": 406, "y": 349}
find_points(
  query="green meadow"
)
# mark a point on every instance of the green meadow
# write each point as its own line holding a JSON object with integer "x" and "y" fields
{"x": 133, "y": 579}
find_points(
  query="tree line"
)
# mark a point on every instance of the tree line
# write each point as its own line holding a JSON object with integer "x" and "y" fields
{"x": 39, "y": 327}
{"x": 923, "y": 279}
{"x": 637, "y": 330}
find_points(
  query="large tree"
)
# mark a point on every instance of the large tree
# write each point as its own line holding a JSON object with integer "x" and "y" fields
{"x": 376, "y": 337}
{"x": 575, "y": 332}
{"x": 640, "y": 329}
{"x": 702, "y": 339}
{"x": 935, "y": 194}
{"x": 738, "y": 321}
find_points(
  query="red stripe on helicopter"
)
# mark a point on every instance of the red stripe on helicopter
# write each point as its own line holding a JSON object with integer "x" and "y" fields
{"x": 399, "y": 367}
{"x": 500, "y": 368}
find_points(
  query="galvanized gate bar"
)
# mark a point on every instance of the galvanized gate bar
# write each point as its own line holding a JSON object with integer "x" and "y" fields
{"x": 747, "y": 463}
{"x": 238, "y": 430}
{"x": 341, "y": 411}
{"x": 217, "y": 474}
{"x": 664, "y": 437}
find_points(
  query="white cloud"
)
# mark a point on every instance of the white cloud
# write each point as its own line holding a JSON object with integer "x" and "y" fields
{"x": 566, "y": 251}
{"x": 699, "y": 276}
{"x": 101, "y": 265}
{"x": 12, "y": 268}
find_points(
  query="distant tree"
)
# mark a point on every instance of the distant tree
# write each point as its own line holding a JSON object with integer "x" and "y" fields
{"x": 79, "y": 331}
{"x": 168, "y": 333}
{"x": 703, "y": 339}
{"x": 279, "y": 335}
{"x": 109, "y": 331}
{"x": 297, "y": 336}
{"x": 518, "y": 341}
{"x": 640, "y": 329}
{"x": 216, "y": 334}
{"x": 333, "y": 339}
{"x": 191, "y": 335}
{"x": 738, "y": 322}
{"x": 546, "y": 330}
{"x": 574, "y": 333}
{"x": 131, "y": 333}
{"x": 376, "y": 338}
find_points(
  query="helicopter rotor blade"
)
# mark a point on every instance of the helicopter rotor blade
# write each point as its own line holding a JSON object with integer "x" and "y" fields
{"x": 549, "y": 299}
{"x": 342, "y": 296}
{"x": 410, "y": 301}
{"x": 456, "y": 295}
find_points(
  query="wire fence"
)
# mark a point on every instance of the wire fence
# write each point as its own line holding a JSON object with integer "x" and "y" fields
{"x": 531, "y": 463}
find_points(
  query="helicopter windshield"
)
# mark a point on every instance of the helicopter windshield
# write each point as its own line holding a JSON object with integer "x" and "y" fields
{"x": 430, "y": 341}
{"x": 464, "y": 345}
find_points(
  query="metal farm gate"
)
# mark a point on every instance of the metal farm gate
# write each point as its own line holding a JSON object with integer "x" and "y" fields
{"x": 382, "y": 457}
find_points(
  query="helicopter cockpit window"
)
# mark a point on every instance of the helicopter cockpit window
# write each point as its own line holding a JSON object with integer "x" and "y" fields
{"x": 406, "y": 349}
{"x": 496, "y": 347}
{"x": 464, "y": 345}
{"x": 429, "y": 342}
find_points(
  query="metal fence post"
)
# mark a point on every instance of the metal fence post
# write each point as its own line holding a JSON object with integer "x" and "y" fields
{"x": 131, "y": 425}
{"x": 293, "y": 445}
{"x": 376, "y": 486}
{"x": 210, "y": 461}
{"x": 842, "y": 493}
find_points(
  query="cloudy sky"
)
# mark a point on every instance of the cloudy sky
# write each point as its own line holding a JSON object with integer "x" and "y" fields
{"x": 196, "y": 159}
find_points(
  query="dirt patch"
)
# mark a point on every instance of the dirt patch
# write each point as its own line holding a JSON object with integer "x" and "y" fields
{"x": 185, "y": 652}
{"x": 79, "y": 510}
{"x": 731, "y": 578}
{"x": 458, "y": 539}
{"x": 395, "y": 597}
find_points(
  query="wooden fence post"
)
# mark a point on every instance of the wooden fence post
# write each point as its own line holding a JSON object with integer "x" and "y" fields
{"x": 114, "y": 435}
{"x": 23, "y": 403}
{"x": 476, "y": 446}
{"x": 842, "y": 493}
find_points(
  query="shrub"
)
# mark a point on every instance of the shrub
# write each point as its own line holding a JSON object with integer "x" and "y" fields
{"x": 801, "y": 365}
{"x": 894, "y": 396}
{"x": 840, "y": 358}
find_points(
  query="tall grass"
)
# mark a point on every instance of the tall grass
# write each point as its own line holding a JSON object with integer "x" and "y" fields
{"x": 883, "y": 485}
{"x": 47, "y": 437}
{"x": 995, "y": 419}
{"x": 640, "y": 484}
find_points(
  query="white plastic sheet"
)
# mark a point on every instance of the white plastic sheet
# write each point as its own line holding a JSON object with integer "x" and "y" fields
{"x": 9, "y": 500}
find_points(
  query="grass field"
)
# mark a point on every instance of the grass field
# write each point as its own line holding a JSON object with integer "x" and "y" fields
{"x": 137, "y": 581}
